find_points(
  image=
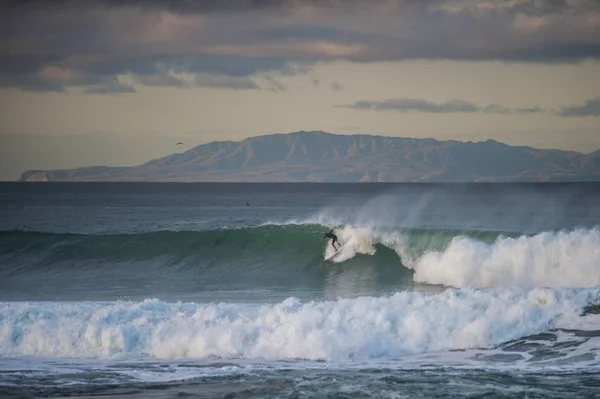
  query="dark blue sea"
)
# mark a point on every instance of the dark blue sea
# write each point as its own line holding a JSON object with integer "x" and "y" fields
{"x": 219, "y": 290}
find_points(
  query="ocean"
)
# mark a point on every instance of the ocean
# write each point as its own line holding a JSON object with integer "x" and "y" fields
{"x": 227, "y": 290}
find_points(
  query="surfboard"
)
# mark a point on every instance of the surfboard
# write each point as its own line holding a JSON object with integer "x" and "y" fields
{"x": 328, "y": 258}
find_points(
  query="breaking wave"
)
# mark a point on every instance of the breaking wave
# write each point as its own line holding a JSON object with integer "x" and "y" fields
{"x": 457, "y": 258}
{"x": 548, "y": 259}
{"x": 345, "y": 329}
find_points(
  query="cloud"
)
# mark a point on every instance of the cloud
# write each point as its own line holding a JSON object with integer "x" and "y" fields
{"x": 103, "y": 40}
{"x": 115, "y": 88}
{"x": 223, "y": 81}
{"x": 528, "y": 110}
{"x": 415, "y": 104}
{"x": 273, "y": 84}
{"x": 495, "y": 109}
{"x": 160, "y": 80}
{"x": 590, "y": 107}
{"x": 501, "y": 109}
{"x": 450, "y": 106}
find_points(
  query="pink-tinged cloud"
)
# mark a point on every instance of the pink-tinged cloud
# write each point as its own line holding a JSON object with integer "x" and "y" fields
{"x": 97, "y": 41}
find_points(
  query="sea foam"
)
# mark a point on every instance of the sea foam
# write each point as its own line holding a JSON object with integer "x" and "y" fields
{"x": 551, "y": 259}
{"x": 342, "y": 330}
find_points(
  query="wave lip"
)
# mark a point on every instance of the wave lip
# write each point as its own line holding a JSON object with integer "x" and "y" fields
{"x": 343, "y": 330}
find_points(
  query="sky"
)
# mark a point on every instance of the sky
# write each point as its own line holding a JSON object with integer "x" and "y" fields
{"x": 121, "y": 82}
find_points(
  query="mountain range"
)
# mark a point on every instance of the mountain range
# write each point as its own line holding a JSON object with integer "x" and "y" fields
{"x": 317, "y": 156}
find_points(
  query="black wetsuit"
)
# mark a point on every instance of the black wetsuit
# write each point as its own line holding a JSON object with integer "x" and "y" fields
{"x": 333, "y": 238}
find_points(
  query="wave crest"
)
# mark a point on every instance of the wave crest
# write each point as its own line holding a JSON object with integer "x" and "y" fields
{"x": 457, "y": 258}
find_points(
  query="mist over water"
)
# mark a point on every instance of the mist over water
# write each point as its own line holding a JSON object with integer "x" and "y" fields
{"x": 436, "y": 279}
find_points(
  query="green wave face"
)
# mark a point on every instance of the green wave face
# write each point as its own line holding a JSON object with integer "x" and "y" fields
{"x": 286, "y": 258}
{"x": 267, "y": 247}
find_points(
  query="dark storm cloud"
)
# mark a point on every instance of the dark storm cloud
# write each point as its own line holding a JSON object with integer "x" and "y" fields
{"x": 451, "y": 106}
{"x": 53, "y": 45}
{"x": 590, "y": 107}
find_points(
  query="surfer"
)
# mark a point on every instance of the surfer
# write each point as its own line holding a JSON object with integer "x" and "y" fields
{"x": 333, "y": 238}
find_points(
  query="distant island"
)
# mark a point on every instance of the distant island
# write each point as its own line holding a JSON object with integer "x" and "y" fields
{"x": 324, "y": 157}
